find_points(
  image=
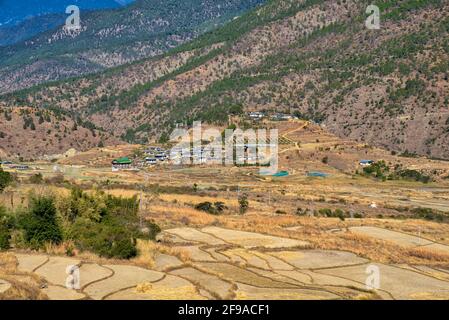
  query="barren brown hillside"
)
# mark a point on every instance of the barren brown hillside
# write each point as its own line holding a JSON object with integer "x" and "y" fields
{"x": 30, "y": 133}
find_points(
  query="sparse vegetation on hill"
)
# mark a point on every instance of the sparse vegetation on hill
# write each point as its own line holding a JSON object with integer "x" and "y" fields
{"x": 314, "y": 58}
{"x": 36, "y": 132}
{"x": 382, "y": 171}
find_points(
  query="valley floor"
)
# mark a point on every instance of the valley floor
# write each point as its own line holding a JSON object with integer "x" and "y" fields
{"x": 290, "y": 244}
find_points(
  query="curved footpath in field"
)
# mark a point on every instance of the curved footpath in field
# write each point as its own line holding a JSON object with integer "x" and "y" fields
{"x": 230, "y": 264}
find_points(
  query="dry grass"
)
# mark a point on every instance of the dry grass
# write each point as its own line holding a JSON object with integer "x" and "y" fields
{"x": 60, "y": 249}
{"x": 365, "y": 246}
{"x": 429, "y": 254}
{"x": 316, "y": 231}
{"x": 170, "y": 214}
{"x": 24, "y": 285}
{"x": 147, "y": 251}
{"x": 194, "y": 199}
{"x": 122, "y": 193}
{"x": 174, "y": 210}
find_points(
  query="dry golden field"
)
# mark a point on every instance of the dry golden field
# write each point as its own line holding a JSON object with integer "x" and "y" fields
{"x": 200, "y": 247}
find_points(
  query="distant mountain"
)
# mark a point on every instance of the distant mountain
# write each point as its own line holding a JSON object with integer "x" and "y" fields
{"x": 110, "y": 37}
{"x": 10, "y": 34}
{"x": 13, "y": 12}
{"x": 21, "y": 20}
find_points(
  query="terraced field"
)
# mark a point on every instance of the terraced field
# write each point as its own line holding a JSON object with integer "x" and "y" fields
{"x": 231, "y": 264}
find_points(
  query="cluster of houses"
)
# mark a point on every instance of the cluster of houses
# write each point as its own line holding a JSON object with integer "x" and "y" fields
{"x": 204, "y": 155}
{"x": 260, "y": 115}
{"x": 185, "y": 155}
{"x": 11, "y": 165}
{"x": 195, "y": 154}
{"x": 153, "y": 156}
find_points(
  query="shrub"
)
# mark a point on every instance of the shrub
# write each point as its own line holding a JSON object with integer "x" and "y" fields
{"x": 410, "y": 174}
{"x": 204, "y": 206}
{"x": 339, "y": 214}
{"x": 149, "y": 231}
{"x": 243, "y": 203}
{"x": 106, "y": 225}
{"x": 378, "y": 170}
{"x": 5, "y": 236}
{"x": 6, "y": 225}
{"x": 5, "y": 179}
{"x": 40, "y": 224}
{"x": 107, "y": 239}
{"x": 57, "y": 179}
{"x": 216, "y": 208}
{"x": 429, "y": 214}
{"x": 82, "y": 204}
{"x": 219, "y": 206}
{"x": 325, "y": 212}
{"x": 100, "y": 223}
{"x": 36, "y": 178}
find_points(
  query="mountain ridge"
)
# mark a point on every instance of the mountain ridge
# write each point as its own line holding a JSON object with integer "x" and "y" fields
{"x": 312, "y": 58}
{"x": 112, "y": 37}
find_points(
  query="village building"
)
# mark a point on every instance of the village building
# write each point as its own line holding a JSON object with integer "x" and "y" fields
{"x": 281, "y": 117}
{"x": 366, "y": 163}
{"x": 256, "y": 115}
{"x": 150, "y": 161}
{"x": 121, "y": 163}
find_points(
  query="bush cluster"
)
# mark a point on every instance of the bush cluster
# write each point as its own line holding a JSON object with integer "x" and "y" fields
{"x": 381, "y": 170}
{"x": 5, "y": 179}
{"x": 40, "y": 224}
{"x": 215, "y": 208}
{"x": 103, "y": 224}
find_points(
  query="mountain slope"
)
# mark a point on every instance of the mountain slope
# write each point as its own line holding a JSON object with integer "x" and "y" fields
{"x": 112, "y": 37}
{"x": 26, "y": 132}
{"x": 387, "y": 87}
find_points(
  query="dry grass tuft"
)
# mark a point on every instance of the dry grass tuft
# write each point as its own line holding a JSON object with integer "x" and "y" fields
{"x": 147, "y": 251}
{"x": 428, "y": 254}
{"x": 64, "y": 248}
{"x": 180, "y": 215}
